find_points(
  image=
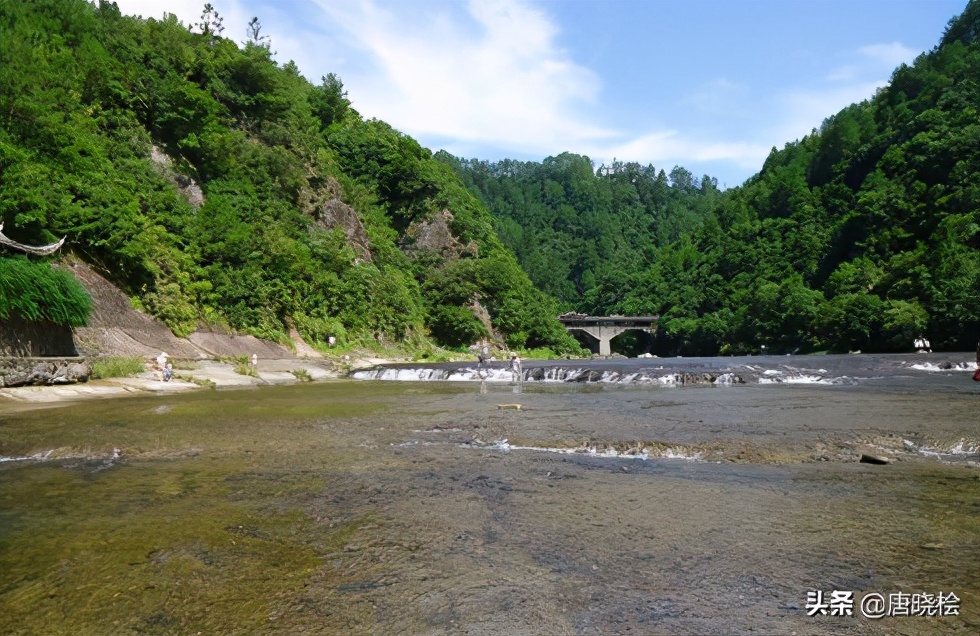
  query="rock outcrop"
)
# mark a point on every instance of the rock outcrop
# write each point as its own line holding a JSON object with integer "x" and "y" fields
{"x": 187, "y": 187}
{"x": 335, "y": 213}
{"x": 434, "y": 235}
{"x": 42, "y": 371}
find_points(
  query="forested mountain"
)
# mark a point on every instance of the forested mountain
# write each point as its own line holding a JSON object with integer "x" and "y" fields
{"x": 860, "y": 236}
{"x": 575, "y": 230}
{"x": 214, "y": 185}
{"x": 218, "y": 187}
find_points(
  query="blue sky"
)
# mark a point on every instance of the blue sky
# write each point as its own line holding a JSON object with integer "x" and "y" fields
{"x": 710, "y": 85}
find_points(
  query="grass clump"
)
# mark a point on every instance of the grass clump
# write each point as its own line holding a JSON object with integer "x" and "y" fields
{"x": 302, "y": 375}
{"x": 35, "y": 291}
{"x": 117, "y": 367}
{"x": 243, "y": 366}
{"x": 204, "y": 382}
{"x": 246, "y": 369}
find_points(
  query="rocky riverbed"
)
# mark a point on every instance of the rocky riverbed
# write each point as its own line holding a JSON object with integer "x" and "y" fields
{"x": 424, "y": 508}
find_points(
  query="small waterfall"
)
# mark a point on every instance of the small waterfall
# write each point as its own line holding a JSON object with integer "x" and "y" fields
{"x": 547, "y": 374}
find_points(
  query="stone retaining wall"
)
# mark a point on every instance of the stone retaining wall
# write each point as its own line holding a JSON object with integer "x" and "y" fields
{"x": 20, "y": 337}
{"x": 43, "y": 371}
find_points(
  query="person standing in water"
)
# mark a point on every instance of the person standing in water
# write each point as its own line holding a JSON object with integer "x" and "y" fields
{"x": 976, "y": 374}
{"x": 515, "y": 366}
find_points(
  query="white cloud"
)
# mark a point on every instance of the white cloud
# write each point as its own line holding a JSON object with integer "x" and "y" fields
{"x": 665, "y": 149}
{"x": 805, "y": 109}
{"x": 871, "y": 61}
{"x": 889, "y": 55}
{"x": 490, "y": 74}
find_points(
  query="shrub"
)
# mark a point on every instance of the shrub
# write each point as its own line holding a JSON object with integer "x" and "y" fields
{"x": 36, "y": 291}
{"x": 117, "y": 367}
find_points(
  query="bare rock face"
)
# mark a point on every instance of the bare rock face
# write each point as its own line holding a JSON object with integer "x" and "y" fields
{"x": 481, "y": 314}
{"x": 323, "y": 204}
{"x": 187, "y": 187}
{"x": 217, "y": 343}
{"x": 435, "y": 235}
{"x": 335, "y": 213}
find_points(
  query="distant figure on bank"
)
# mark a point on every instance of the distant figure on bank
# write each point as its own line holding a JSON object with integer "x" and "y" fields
{"x": 168, "y": 372}
{"x": 255, "y": 360}
{"x": 162, "y": 363}
{"x": 515, "y": 366}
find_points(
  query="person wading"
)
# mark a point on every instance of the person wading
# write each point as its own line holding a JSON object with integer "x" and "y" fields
{"x": 976, "y": 374}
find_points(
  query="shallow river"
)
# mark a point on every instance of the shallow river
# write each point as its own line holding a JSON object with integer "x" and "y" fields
{"x": 701, "y": 496}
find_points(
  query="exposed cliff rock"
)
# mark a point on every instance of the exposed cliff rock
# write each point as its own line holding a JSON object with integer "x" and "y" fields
{"x": 335, "y": 213}
{"x": 435, "y": 235}
{"x": 481, "y": 314}
{"x": 187, "y": 187}
{"x": 329, "y": 212}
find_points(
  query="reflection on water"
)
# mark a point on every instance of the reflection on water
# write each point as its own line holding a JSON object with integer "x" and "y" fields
{"x": 357, "y": 507}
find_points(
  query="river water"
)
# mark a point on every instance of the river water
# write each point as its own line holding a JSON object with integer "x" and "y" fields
{"x": 655, "y": 496}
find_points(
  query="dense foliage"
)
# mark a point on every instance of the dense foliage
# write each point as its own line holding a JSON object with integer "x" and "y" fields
{"x": 309, "y": 217}
{"x": 577, "y": 231}
{"x": 861, "y": 236}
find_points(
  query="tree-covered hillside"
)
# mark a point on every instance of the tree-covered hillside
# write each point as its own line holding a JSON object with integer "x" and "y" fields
{"x": 861, "y": 236}
{"x": 215, "y": 185}
{"x": 577, "y": 231}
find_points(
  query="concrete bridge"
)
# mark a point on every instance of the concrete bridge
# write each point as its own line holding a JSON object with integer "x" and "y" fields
{"x": 605, "y": 328}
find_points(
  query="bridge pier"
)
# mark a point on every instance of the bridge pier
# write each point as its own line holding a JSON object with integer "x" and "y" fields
{"x": 605, "y": 328}
{"x": 604, "y": 334}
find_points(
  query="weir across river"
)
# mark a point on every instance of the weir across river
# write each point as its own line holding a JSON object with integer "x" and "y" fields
{"x": 605, "y": 328}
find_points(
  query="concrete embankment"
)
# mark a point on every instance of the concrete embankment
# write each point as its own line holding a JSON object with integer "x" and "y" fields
{"x": 200, "y": 374}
